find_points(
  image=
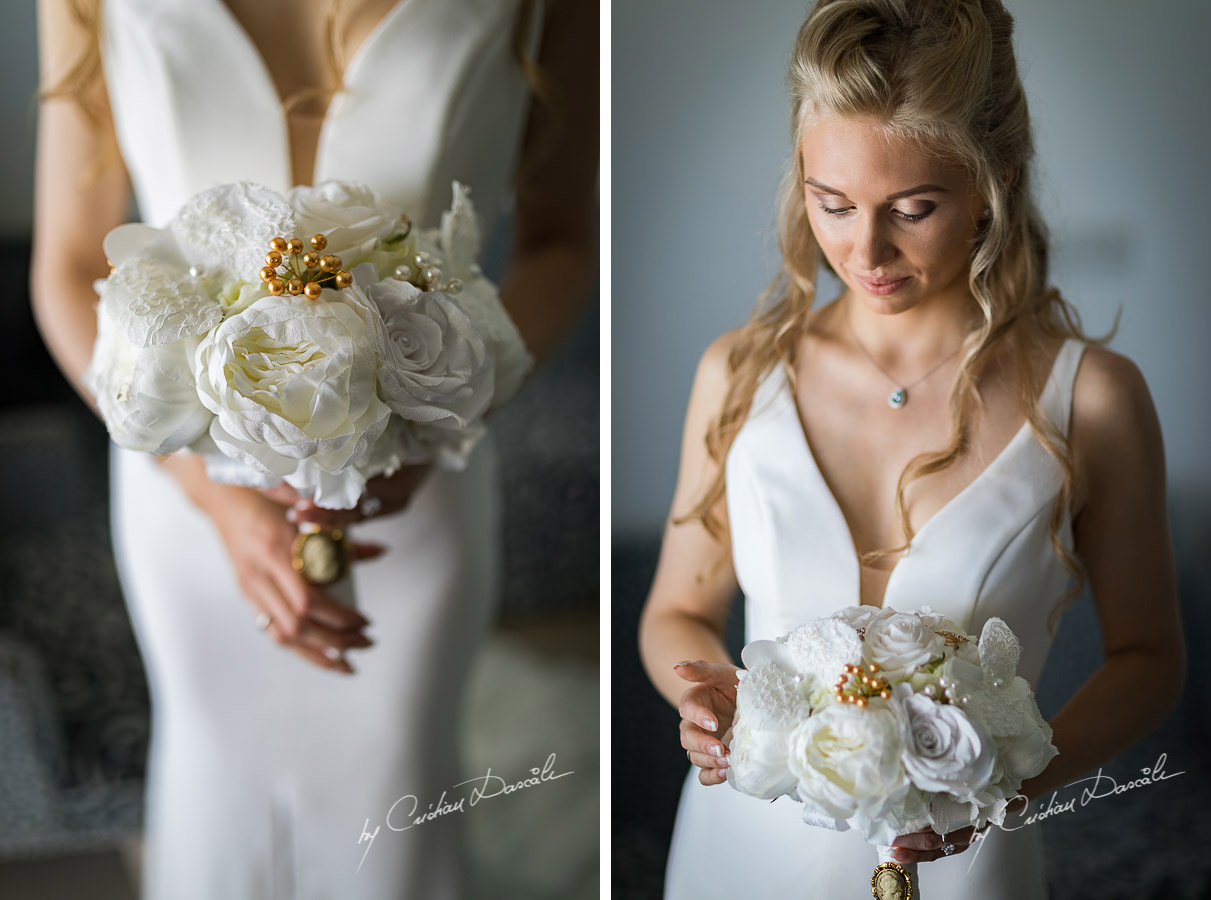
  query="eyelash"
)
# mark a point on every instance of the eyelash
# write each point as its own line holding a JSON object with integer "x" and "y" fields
{"x": 907, "y": 217}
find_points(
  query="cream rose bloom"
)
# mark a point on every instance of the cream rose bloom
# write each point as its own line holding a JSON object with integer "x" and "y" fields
{"x": 292, "y": 386}
{"x": 437, "y": 367}
{"x": 944, "y": 749}
{"x": 900, "y": 642}
{"x": 348, "y": 214}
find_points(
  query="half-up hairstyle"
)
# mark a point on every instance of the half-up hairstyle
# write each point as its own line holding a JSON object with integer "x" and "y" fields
{"x": 942, "y": 74}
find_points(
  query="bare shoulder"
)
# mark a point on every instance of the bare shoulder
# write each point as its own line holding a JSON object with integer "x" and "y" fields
{"x": 1115, "y": 430}
{"x": 713, "y": 368}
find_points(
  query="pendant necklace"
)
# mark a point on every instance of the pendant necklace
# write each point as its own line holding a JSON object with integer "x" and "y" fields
{"x": 899, "y": 396}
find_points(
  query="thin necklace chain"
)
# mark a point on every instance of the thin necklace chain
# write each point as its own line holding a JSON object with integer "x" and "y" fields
{"x": 903, "y": 387}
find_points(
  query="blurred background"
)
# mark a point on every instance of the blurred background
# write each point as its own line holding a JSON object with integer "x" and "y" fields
{"x": 1119, "y": 95}
{"x": 73, "y": 697}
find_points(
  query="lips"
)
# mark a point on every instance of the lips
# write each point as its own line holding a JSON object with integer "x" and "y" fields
{"x": 881, "y": 287}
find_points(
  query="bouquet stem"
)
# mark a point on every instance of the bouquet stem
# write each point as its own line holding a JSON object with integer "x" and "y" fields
{"x": 892, "y": 880}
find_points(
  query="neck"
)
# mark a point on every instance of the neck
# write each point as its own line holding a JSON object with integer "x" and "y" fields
{"x": 916, "y": 338}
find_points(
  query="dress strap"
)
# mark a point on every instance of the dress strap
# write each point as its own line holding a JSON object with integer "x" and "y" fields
{"x": 1056, "y": 399}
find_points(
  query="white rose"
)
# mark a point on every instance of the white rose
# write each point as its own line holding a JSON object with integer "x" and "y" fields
{"x": 480, "y": 300}
{"x": 900, "y": 642}
{"x": 147, "y": 395}
{"x": 944, "y": 750}
{"x": 292, "y": 387}
{"x": 860, "y": 616}
{"x": 349, "y": 215}
{"x": 847, "y": 761}
{"x": 438, "y": 367}
{"x": 230, "y": 227}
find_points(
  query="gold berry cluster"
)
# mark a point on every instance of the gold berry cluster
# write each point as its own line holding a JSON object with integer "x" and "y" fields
{"x": 304, "y": 273}
{"x": 857, "y": 685}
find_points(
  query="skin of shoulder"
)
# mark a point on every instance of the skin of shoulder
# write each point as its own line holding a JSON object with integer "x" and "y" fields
{"x": 1121, "y": 524}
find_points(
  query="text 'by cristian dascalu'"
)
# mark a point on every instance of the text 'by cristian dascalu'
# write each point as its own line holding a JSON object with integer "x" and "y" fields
{"x": 1096, "y": 787}
{"x": 406, "y": 812}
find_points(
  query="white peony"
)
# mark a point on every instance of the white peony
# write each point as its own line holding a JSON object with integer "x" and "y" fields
{"x": 230, "y": 227}
{"x": 292, "y": 387}
{"x": 349, "y": 215}
{"x": 847, "y": 761}
{"x": 822, "y": 648}
{"x": 899, "y": 643}
{"x": 146, "y": 395}
{"x": 944, "y": 749}
{"x": 770, "y": 703}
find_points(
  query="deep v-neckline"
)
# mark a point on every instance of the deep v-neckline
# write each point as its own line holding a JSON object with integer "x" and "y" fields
{"x": 270, "y": 87}
{"x": 1022, "y": 435}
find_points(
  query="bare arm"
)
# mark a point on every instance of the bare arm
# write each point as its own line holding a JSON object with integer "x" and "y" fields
{"x": 687, "y": 608}
{"x": 75, "y": 203}
{"x": 554, "y": 249}
{"x": 1122, "y": 537}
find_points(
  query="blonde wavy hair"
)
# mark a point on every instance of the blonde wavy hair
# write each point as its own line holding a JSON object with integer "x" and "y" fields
{"x": 940, "y": 73}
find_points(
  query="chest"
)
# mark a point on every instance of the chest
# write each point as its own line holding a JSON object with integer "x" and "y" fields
{"x": 863, "y": 446}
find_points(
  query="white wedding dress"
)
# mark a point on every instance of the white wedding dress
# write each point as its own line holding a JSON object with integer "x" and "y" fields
{"x": 987, "y": 553}
{"x": 264, "y": 770}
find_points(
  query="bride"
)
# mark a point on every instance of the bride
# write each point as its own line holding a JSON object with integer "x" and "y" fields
{"x": 271, "y": 773}
{"x": 941, "y": 434}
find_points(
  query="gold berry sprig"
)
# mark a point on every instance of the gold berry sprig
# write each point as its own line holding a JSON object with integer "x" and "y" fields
{"x": 858, "y": 685}
{"x": 304, "y": 273}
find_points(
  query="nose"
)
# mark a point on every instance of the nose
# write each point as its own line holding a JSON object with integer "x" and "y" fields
{"x": 872, "y": 246}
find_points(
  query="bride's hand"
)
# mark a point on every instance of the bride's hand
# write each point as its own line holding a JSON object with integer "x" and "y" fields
{"x": 303, "y": 617}
{"x": 383, "y": 496}
{"x": 926, "y": 845}
{"x": 707, "y": 710}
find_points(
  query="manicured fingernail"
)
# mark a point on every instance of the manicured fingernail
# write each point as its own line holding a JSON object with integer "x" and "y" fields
{"x": 709, "y": 723}
{"x": 684, "y": 662}
{"x": 291, "y": 516}
{"x": 717, "y": 750}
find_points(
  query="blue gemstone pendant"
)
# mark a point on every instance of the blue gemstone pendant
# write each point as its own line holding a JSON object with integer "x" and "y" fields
{"x": 897, "y": 398}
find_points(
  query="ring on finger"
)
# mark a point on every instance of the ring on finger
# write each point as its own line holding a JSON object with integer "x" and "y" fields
{"x": 948, "y": 848}
{"x": 370, "y": 506}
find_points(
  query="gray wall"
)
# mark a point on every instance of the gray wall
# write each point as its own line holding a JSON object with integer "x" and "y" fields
{"x": 18, "y": 109}
{"x": 1120, "y": 99}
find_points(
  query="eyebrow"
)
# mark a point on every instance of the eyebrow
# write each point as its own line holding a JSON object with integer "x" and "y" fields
{"x": 919, "y": 189}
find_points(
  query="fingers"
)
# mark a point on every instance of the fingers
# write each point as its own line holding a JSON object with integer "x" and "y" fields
{"x": 283, "y": 494}
{"x": 704, "y": 672}
{"x": 363, "y": 550}
{"x": 926, "y": 845}
{"x": 310, "y": 623}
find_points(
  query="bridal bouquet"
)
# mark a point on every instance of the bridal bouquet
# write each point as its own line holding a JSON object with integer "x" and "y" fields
{"x": 315, "y": 339}
{"x": 888, "y": 722}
